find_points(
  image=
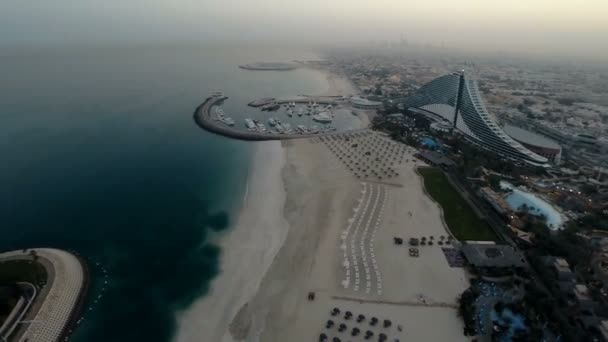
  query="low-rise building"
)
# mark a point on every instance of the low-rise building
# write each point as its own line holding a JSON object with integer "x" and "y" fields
{"x": 362, "y": 103}
{"x": 493, "y": 255}
{"x": 495, "y": 200}
{"x": 562, "y": 270}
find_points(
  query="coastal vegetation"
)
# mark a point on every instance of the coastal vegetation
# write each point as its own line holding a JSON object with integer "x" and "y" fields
{"x": 462, "y": 221}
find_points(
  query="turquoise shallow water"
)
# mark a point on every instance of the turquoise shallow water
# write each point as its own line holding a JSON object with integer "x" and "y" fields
{"x": 536, "y": 205}
{"x": 100, "y": 155}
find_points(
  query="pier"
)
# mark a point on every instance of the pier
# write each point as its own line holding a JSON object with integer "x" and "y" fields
{"x": 202, "y": 117}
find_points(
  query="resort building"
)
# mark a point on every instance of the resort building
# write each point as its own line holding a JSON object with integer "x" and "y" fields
{"x": 492, "y": 255}
{"x": 436, "y": 159}
{"x": 536, "y": 143}
{"x": 455, "y": 99}
{"x": 365, "y": 104}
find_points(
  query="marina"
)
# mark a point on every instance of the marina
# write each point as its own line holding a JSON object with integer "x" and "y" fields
{"x": 295, "y": 118}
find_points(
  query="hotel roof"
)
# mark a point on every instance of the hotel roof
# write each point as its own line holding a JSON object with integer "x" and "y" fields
{"x": 530, "y": 138}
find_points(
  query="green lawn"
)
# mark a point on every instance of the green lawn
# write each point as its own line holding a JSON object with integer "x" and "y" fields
{"x": 459, "y": 216}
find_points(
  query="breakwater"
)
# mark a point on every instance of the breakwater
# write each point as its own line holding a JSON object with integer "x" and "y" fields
{"x": 202, "y": 117}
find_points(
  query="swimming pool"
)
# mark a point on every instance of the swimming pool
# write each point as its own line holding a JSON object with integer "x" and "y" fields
{"x": 513, "y": 321}
{"x": 428, "y": 142}
{"x": 536, "y": 206}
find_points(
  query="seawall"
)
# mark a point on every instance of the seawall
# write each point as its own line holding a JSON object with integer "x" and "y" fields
{"x": 202, "y": 117}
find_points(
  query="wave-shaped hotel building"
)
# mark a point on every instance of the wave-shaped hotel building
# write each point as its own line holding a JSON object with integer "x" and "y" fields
{"x": 455, "y": 98}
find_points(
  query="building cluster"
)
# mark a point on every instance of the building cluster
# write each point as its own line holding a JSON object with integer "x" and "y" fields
{"x": 542, "y": 116}
{"x": 586, "y": 312}
{"x": 568, "y": 106}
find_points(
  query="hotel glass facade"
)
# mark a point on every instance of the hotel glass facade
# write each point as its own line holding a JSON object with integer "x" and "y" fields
{"x": 456, "y": 98}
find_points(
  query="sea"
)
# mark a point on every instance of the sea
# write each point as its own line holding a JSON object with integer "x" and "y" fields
{"x": 101, "y": 156}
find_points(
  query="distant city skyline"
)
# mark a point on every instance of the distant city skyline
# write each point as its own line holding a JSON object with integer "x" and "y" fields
{"x": 540, "y": 27}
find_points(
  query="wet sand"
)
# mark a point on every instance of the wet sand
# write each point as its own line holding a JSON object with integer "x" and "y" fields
{"x": 248, "y": 249}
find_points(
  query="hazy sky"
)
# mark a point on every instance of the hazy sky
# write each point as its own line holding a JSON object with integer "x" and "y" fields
{"x": 573, "y": 27}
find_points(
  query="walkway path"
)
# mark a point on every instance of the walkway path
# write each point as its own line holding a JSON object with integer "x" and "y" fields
{"x": 63, "y": 294}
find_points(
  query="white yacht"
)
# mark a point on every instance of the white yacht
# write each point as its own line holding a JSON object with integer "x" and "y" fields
{"x": 250, "y": 124}
{"x": 228, "y": 121}
{"x": 287, "y": 128}
{"x": 322, "y": 117}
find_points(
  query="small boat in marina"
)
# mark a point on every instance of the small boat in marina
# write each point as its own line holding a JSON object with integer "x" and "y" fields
{"x": 250, "y": 124}
{"x": 322, "y": 117}
{"x": 287, "y": 128}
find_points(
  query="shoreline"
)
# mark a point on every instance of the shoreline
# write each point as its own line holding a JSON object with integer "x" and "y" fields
{"x": 321, "y": 195}
{"x": 338, "y": 85}
{"x": 248, "y": 249}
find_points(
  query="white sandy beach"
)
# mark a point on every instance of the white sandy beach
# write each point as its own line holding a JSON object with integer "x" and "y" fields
{"x": 289, "y": 242}
{"x": 247, "y": 250}
{"x": 339, "y": 85}
{"x": 250, "y": 246}
{"x": 321, "y": 195}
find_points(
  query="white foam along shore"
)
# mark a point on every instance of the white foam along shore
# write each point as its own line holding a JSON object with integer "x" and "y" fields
{"x": 248, "y": 249}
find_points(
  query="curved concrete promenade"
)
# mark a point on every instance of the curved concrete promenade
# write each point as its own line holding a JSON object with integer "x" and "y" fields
{"x": 269, "y": 66}
{"x": 67, "y": 282}
{"x": 202, "y": 116}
